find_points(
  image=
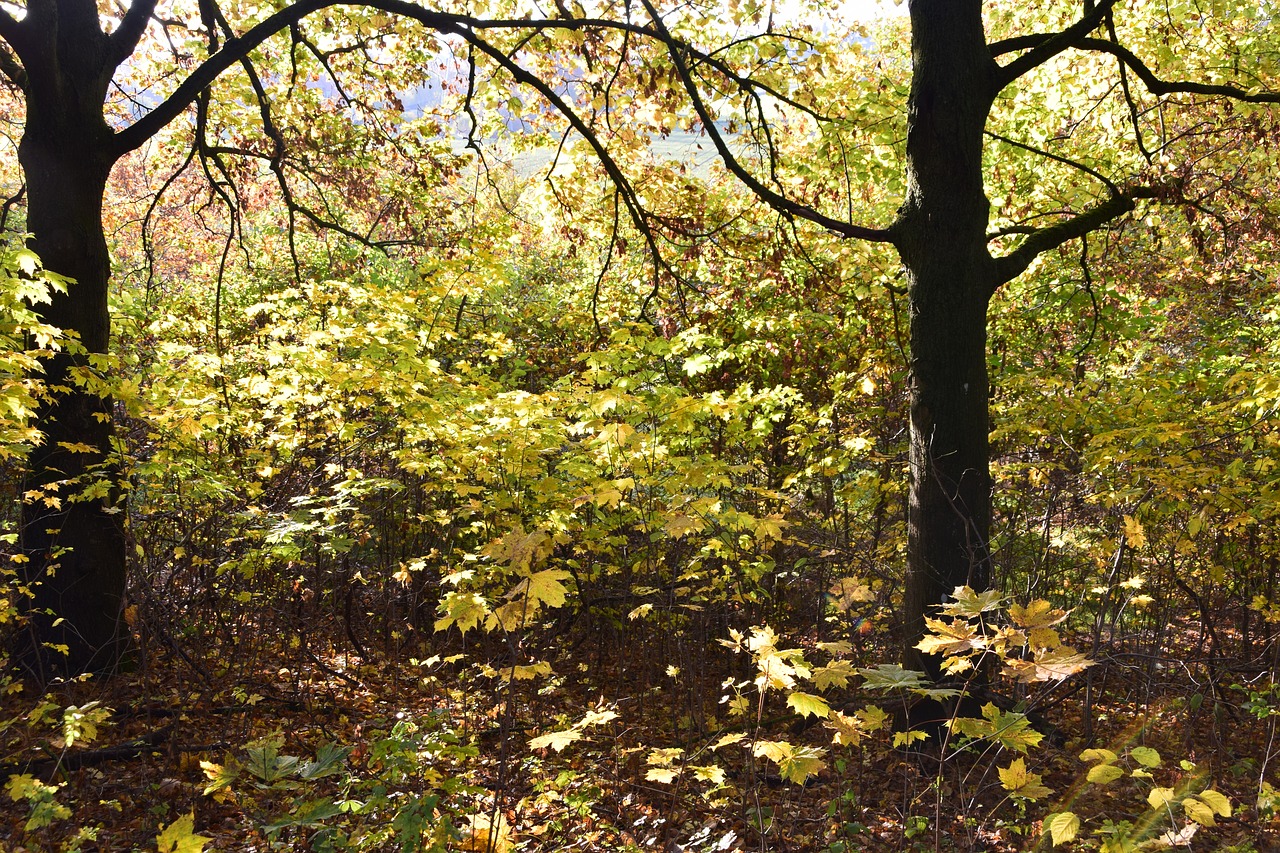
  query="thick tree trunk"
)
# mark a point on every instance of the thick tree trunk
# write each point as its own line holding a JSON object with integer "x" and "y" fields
{"x": 941, "y": 237}
{"x": 72, "y": 529}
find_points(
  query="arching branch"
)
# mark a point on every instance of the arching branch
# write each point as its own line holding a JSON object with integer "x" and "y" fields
{"x": 10, "y": 29}
{"x": 1042, "y": 240}
{"x": 126, "y": 37}
{"x": 1157, "y": 86}
{"x": 11, "y": 68}
{"x": 774, "y": 199}
{"x": 1045, "y": 47}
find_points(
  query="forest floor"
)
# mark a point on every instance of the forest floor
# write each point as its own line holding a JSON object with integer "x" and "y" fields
{"x": 457, "y": 729}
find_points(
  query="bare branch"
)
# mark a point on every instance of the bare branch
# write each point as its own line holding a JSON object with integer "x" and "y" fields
{"x": 1042, "y": 240}
{"x": 774, "y": 199}
{"x": 1048, "y": 46}
{"x": 231, "y": 53}
{"x": 1066, "y": 161}
{"x": 1128, "y": 95}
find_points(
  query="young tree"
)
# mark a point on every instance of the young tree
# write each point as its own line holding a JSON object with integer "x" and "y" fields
{"x": 64, "y": 54}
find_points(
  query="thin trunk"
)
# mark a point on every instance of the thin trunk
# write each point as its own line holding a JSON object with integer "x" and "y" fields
{"x": 941, "y": 237}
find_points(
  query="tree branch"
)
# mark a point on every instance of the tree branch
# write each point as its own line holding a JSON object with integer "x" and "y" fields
{"x": 1041, "y": 240}
{"x": 126, "y": 37}
{"x": 1048, "y": 46}
{"x": 10, "y": 29}
{"x": 1066, "y": 161}
{"x": 231, "y": 53}
{"x": 1156, "y": 86}
{"x": 11, "y": 67}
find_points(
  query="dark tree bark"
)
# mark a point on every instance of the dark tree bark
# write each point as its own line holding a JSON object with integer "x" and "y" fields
{"x": 941, "y": 237}
{"x": 75, "y": 546}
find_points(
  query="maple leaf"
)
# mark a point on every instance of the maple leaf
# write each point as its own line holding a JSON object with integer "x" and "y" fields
{"x": 1037, "y": 614}
{"x": 891, "y": 676}
{"x": 1021, "y": 783}
{"x": 966, "y": 602}
{"x": 1011, "y": 730}
{"x": 845, "y": 592}
{"x": 795, "y": 763}
{"x": 180, "y": 837}
{"x": 950, "y": 638}
{"x": 544, "y": 587}
{"x": 835, "y": 674}
{"x": 1134, "y": 536}
{"x": 806, "y": 704}
{"x": 464, "y": 609}
{"x": 1048, "y": 665}
{"x": 848, "y": 730}
{"x": 726, "y": 740}
{"x": 708, "y": 773}
{"x": 555, "y": 741}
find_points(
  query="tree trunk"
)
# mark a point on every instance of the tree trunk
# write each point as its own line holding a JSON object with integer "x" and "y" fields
{"x": 941, "y": 236}
{"x": 75, "y": 543}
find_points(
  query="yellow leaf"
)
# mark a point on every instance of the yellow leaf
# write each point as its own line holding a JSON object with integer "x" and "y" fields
{"x": 795, "y": 763}
{"x": 806, "y": 704}
{"x": 180, "y": 837}
{"x": 727, "y": 740}
{"x": 1062, "y": 827}
{"x": 665, "y": 775}
{"x": 1020, "y": 783}
{"x": 835, "y": 674}
{"x": 708, "y": 773}
{"x": 845, "y": 592}
{"x": 1198, "y": 811}
{"x": 484, "y": 834}
{"x": 1037, "y": 614}
{"x": 1134, "y": 535}
{"x": 1216, "y": 801}
{"x": 1160, "y": 797}
{"x": 545, "y": 587}
{"x": 556, "y": 741}
{"x": 1103, "y": 774}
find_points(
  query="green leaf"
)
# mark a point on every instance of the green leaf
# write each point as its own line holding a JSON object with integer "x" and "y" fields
{"x": 891, "y": 676}
{"x": 329, "y": 761}
{"x": 1062, "y": 827}
{"x": 1145, "y": 755}
{"x": 309, "y": 813}
{"x": 266, "y": 762}
{"x": 180, "y": 837}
